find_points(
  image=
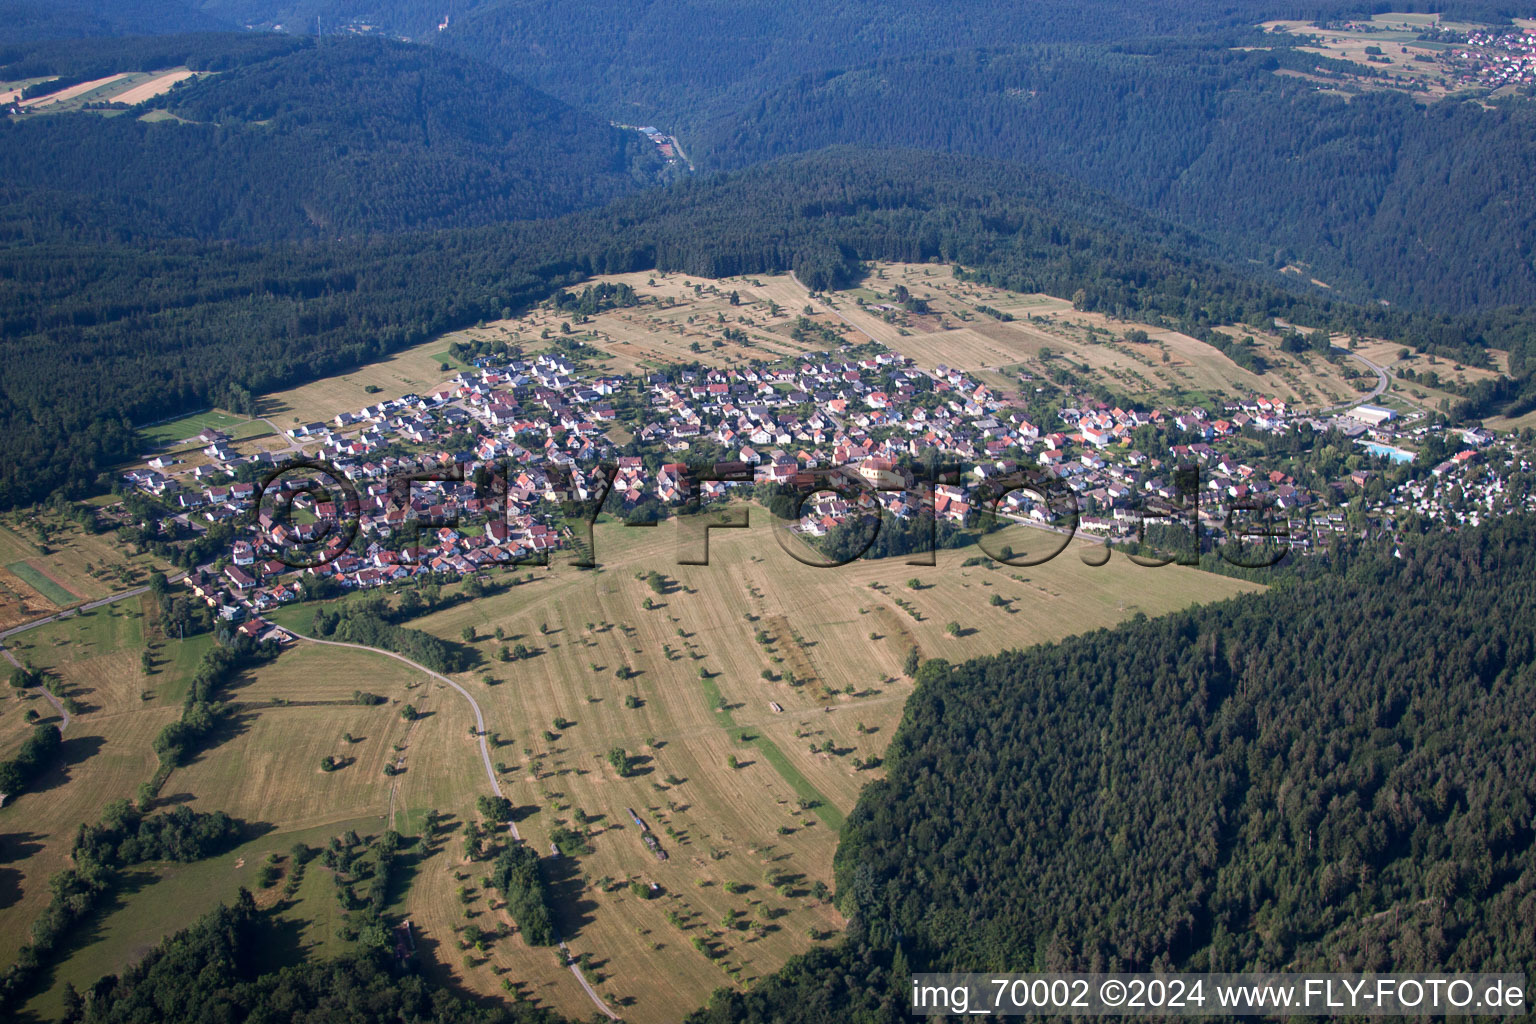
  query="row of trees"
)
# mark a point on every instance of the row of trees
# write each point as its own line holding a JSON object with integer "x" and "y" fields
{"x": 122, "y": 838}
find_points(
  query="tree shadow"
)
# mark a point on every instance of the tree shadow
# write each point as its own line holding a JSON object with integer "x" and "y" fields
{"x": 72, "y": 752}
{"x": 229, "y": 727}
{"x": 571, "y": 909}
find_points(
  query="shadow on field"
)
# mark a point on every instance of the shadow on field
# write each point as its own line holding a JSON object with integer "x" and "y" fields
{"x": 92, "y": 927}
{"x": 15, "y": 847}
{"x": 229, "y": 727}
{"x": 73, "y": 751}
{"x": 573, "y": 912}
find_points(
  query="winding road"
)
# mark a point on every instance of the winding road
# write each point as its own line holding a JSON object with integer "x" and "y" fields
{"x": 1383, "y": 381}
{"x": 490, "y": 773}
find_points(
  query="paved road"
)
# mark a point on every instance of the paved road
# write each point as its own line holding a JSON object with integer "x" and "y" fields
{"x": 59, "y": 616}
{"x": 1383, "y": 381}
{"x": 490, "y": 773}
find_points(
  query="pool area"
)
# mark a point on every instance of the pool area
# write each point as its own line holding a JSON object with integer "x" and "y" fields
{"x": 1387, "y": 451}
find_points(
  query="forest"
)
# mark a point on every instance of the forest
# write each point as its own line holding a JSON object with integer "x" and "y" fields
{"x": 1331, "y": 775}
{"x": 1213, "y": 139}
{"x": 670, "y": 63}
{"x": 350, "y": 136}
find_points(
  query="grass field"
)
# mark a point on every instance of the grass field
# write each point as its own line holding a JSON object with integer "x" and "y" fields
{"x": 49, "y": 562}
{"x": 160, "y": 899}
{"x": 181, "y": 431}
{"x": 48, "y": 588}
{"x": 96, "y": 88}
{"x": 263, "y": 767}
{"x": 1048, "y": 335}
{"x": 107, "y": 749}
{"x": 412, "y": 370}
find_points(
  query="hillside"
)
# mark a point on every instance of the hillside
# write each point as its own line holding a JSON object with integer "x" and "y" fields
{"x": 30, "y": 20}
{"x": 354, "y": 136}
{"x": 1322, "y": 777}
{"x": 154, "y": 330}
{"x": 672, "y": 62}
{"x": 1217, "y": 140}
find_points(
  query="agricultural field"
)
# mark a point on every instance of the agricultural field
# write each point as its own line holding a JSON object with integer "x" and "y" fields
{"x": 693, "y": 702}
{"x": 107, "y": 747}
{"x": 685, "y": 319}
{"x": 127, "y": 87}
{"x": 1047, "y": 335}
{"x": 1392, "y": 39}
{"x": 1418, "y": 394}
{"x": 159, "y": 82}
{"x": 48, "y": 562}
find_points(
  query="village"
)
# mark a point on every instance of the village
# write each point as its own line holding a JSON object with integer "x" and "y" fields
{"x": 492, "y": 457}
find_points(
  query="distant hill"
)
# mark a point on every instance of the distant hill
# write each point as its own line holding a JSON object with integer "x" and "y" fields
{"x": 672, "y": 60}
{"x": 350, "y": 136}
{"x": 30, "y": 20}
{"x": 1381, "y": 197}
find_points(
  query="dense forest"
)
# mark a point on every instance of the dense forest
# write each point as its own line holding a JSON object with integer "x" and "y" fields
{"x": 210, "y": 973}
{"x": 28, "y": 20}
{"x": 671, "y": 62}
{"x": 101, "y": 337}
{"x": 1384, "y": 199}
{"x": 1332, "y": 775}
{"x": 353, "y": 136}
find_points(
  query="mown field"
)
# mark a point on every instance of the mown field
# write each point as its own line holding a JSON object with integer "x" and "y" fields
{"x": 559, "y": 713}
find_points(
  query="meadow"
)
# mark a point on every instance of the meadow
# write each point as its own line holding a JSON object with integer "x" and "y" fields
{"x": 744, "y": 798}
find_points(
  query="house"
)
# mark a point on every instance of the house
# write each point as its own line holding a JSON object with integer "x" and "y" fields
{"x": 241, "y": 579}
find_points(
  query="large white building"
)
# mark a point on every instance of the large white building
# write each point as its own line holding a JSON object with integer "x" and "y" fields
{"x": 1371, "y": 415}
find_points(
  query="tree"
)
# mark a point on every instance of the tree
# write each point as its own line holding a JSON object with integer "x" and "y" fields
{"x": 468, "y": 634}
{"x": 408, "y": 712}
{"x": 618, "y": 757}
{"x": 910, "y": 663}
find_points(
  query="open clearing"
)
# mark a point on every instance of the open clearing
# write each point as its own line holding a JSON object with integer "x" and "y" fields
{"x": 412, "y": 370}
{"x": 1393, "y": 41}
{"x": 178, "y": 432}
{"x": 161, "y": 82}
{"x": 72, "y": 92}
{"x": 1046, "y": 336}
{"x": 49, "y": 562}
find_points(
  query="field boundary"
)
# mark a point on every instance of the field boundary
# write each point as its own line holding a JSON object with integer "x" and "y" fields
{"x": 50, "y": 588}
{"x": 803, "y": 787}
